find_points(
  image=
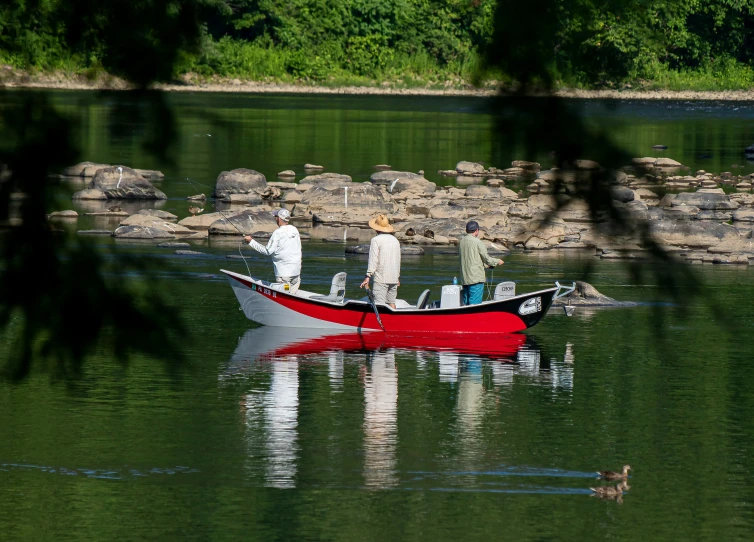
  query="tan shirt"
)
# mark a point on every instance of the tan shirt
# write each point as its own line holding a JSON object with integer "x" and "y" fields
{"x": 384, "y": 259}
{"x": 473, "y": 258}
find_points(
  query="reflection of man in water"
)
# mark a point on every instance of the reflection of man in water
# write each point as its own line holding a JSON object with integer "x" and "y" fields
{"x": 272, "y": 424}
{"x": 381, "y": 420}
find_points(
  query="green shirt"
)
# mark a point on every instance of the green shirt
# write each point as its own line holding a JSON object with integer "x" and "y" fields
{"x": 473, "y": 257}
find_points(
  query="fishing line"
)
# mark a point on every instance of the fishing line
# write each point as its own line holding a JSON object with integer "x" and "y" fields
{"x": 214, "y": 204}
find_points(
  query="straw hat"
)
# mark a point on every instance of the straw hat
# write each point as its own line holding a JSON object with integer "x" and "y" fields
{"x": 380, "y": 223}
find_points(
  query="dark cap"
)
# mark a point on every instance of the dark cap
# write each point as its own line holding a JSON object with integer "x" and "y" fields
{"x": 471, "y": 226}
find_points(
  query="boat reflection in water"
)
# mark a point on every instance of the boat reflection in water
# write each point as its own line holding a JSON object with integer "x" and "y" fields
{"x": 271, "y": 409}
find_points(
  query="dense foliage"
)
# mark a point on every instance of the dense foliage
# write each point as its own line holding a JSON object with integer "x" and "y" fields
{"x": 582, "y": 42}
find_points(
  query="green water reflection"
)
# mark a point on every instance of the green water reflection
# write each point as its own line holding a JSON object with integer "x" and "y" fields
{"x": 395, "y": 442}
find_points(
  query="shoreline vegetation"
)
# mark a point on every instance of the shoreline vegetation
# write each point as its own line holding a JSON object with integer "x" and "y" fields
{"x": 15, "y": 79}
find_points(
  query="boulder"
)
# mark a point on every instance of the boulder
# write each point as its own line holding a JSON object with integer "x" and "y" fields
{"x": 587, "y": 295}
{"x": 142, "y": 232}
{"x": 239, "y": 181}
{"x": 588, "y": 165}
{"x": 450, "y": 210}
{"x": 469, "y": 168}
{"x": 382, "y": 167}
{"x": 447, "y": 172}
{"x": 414, "y": 185}
{"x": 204, "y": 221}
{"x": 84, "y": 169}
{"x": 622, "y": 194}
{"x": 313, "y": 167}
{"x": 405, "y": 250}
{"x": 741, "y": 245}
{"x": 153, "y": 222}
{"x": 63, "y": 214}
{"x": 287, "y": 173}
{"x": 529, "y": 166}
{"x": 121, "y": 182}
{"x": 150, "y": 174}
{"x": 388, "y": 177}
{"x": 90, "y": 194}
{"x": 486, "y": 192}
{"x": 246, "y": 222}
{"x": 243, "y": 199}
{"x": 164, "y": 215}
{"x": 712, "y": 200}
{"x": 691, "y": 233}
{"x": 174, "y": 245}
{"x": 542, "y": 202}
{"x": 743, "y": 215}
{"x": 362, "y": 198}
{"x": 667, "y": 163}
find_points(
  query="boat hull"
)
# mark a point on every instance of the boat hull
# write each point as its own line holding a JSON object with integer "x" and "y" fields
{"x": 267, "y": 306}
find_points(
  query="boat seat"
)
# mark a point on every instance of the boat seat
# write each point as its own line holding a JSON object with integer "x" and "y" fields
{"x": 337, "y": 290}
{"x": 423, "y": 300}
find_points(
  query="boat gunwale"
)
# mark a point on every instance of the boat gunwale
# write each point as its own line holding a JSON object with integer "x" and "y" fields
{"x": 354, "y": 304}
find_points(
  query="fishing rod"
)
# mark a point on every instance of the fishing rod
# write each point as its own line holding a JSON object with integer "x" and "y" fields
{"x": 370, "y": 295}
{"x": 243, "y": 235}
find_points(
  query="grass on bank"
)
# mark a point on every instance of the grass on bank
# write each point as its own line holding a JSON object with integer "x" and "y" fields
{"x": 367, "y": 64}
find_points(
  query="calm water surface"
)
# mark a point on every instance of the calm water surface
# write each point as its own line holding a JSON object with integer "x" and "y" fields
{"x": 280, "y": 434}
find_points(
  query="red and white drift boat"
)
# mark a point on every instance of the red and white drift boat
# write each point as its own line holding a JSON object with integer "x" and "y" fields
{"x": 270, "y": 305}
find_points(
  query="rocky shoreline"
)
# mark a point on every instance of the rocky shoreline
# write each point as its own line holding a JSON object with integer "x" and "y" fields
{"x": 19, "y": 79}
{"x": 700, "y": 217}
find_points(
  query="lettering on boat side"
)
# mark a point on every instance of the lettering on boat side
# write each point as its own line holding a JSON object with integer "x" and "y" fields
{"x": 530, "y": 306}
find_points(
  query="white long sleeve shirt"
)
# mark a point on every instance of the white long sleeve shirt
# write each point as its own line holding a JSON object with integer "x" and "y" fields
{"x": 384, "y": 259}
{"x": 285, "y": 248}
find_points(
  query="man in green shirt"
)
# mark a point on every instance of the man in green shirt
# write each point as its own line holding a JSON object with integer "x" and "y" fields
{"x": 473, "y": 259}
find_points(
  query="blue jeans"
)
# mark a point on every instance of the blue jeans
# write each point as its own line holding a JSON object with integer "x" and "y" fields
{"x": 472, "y": 293}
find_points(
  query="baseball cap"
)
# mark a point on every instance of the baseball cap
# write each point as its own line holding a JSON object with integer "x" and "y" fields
{"x": 472, "y": 226}
{"x": 284, "y": 214}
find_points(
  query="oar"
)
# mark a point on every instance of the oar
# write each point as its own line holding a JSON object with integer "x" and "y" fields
{"x": 376, "y": 312}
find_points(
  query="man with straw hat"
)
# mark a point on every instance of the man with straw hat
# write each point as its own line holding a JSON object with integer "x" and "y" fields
{"x": 384, "y": 269}
{"x": 285, "y": 248}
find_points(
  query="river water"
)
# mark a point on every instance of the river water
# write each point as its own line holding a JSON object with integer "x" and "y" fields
{"x": 280, "y": 434}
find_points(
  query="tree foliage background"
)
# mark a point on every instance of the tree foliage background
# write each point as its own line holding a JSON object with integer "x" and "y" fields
{"x": 586, "y": 42}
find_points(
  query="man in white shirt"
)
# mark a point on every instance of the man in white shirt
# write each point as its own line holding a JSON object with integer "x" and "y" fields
{"x": 384, "y": 267}
{"x": 285, "y": 248}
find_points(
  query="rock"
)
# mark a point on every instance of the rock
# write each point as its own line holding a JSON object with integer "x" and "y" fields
{"x": 313, "y": 167}
{"x": 405, "y": 250}
{"x": 239, "y": 181}
{"x": 646, "y": 196}
{"x": 204, "y": 221}
{"x": 646, "y": 162}
{"x": 415, "y": 186}
{"x": 90, "y": 194}
{"x": 198, "y": 197}
{"x": 287, "y": 173}
{"x": 705, "y": 199}
{"x": 529, "y": 166}
{"x": 282, "y": 185}
{"x": 326, "y": 180}
{"x": 667, "y": 163}
{"x": 246, "y": 223}
{"x": 150, "y": 174}
{"x": 691, "y": 233}
{"x": 449, "y": 210}
{"x": 84, "y": 169}
{"x": 587, "y": 295}
{"x": 448, "y": 172}
{"x": 118, "y": 214}
{"x": 732, "y": 245}
{"x": 749, "y": 149}
{"x": 743, "y": 215}
{"x": 164, "y": 215}
{"x": 622, "y": 194}
{"x": 388, "y": 177}
{"x": 382, "y": 167}
{"x": 187, "y": 252}
{"x": 659, "y": 147}
{"x": 174, "y": 245}
{"x": 680, "y": 212}
{"x": 542, "y": 202}
{"x": 94, "y": 232}
{"x": 122, "y": 182}
{"x": 153, "y": 222}
{"x": 142, "y": 232}
{"x": 359, "y": 198}
{"x": 243, "y": 199}
{"x": 293, "y": 196}
{"x": 469, "y": 168}
{"x": 63, "y": 214}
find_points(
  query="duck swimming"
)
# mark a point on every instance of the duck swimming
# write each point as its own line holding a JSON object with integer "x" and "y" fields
{"x": 611, "y": 475}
